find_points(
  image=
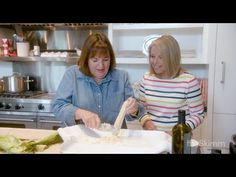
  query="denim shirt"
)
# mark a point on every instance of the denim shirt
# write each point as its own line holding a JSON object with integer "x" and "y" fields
{"x": 77, "y": 90}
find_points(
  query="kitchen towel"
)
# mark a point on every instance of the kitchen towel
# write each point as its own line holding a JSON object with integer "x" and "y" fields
{"x": 127, "y": 141}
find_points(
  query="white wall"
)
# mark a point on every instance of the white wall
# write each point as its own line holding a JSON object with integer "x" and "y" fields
{"x": 5, "y": 69}
{"x": 51, "y": 75}
{"x": 54, "y": 71}
{"x": 135, "y": 71}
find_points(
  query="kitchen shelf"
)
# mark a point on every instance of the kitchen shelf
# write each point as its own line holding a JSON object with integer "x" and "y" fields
{"x": 128, "y": 38}
{"x": 132, "y": 60}
{"x": 137, "y": 57}
{"x": 69, "y": 60}
{"x": 145, "y": 61}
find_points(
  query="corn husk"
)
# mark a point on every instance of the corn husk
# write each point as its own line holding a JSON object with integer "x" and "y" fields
{"x": 14, "y": 145}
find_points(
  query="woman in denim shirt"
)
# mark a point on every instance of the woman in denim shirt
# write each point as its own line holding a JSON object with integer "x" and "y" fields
{"x": 93, "y": 91}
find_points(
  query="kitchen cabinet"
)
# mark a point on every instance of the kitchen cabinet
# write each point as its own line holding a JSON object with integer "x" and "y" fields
{"x": 128, "y": 38}
{"x": 225, "y": 84}
{"x": 224, "y": 112}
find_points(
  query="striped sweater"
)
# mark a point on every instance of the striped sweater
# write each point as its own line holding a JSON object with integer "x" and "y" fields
{"x": 164, "y": 97}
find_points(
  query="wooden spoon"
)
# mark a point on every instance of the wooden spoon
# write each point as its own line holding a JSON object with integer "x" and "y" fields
{"x": 120, "y": 119}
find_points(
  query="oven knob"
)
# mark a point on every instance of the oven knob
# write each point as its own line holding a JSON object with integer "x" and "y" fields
{"x": 1, "y": 105}
{"x": 8, "y": 106}
{"x": 17, "y": 106}
{"x": 41, "y": 107}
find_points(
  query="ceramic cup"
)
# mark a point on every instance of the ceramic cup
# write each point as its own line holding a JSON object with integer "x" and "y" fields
{"x": 22, "y": 49}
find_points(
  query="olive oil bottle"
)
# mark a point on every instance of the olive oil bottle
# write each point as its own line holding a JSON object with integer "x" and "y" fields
{"x": 181, "y": 136}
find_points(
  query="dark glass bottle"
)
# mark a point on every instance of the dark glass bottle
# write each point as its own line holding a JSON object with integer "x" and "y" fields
{"x": 181, "y": 136}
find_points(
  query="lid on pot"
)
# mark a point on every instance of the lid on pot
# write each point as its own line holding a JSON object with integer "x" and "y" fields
{"x": 16, "y": 74}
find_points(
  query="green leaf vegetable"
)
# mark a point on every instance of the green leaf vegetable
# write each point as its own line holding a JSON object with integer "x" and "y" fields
{"x": 14, "y": 145}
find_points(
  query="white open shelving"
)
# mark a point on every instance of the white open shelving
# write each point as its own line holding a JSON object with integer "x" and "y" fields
{"x": 128, "y": 38}
{"x": 145, "y": 61}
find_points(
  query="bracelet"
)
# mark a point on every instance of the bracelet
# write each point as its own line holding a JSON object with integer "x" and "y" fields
{"x": 144, "y": 119}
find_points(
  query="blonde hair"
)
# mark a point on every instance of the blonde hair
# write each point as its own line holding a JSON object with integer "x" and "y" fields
{"x": 96, "y": 44}
{"x": 170, "y": 52}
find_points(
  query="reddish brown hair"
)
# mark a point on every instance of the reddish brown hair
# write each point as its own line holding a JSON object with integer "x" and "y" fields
{"x": 96, "y": 44}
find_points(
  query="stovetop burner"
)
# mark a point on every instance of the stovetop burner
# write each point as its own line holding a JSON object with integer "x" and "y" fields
{"x": 29, "y": 101}
{"x": 25, "y": 94}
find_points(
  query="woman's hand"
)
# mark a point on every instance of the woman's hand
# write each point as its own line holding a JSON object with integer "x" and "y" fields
{"x": 90, "y": 119}
{"x": 149, "y": 125}
{"x": 132, "y": 106}
{"x": 169, "y": 132}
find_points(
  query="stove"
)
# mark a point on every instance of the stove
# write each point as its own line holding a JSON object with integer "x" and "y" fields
{"x": 30, "y": 109}
{"x": 26, "y": 94}
{"x": 30, "y": 101}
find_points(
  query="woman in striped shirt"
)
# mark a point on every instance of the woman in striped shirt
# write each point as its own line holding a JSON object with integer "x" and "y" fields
{"x": 166, "y": 88}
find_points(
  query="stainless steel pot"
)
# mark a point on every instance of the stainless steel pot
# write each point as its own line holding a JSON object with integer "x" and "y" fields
{"x": 16, "y": 83}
